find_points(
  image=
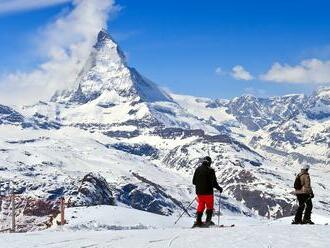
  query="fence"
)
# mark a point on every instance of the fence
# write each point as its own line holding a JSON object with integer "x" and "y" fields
{"x": 20, "y": 205}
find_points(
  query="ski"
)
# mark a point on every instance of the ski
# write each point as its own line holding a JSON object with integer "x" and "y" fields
{"x": 221, "y": 226}
{"x": 315, "y": 224}
{"x": 215, "y": 226}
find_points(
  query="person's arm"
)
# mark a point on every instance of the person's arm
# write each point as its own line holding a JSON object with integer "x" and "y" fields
{"x": 215, "y": 182}
{"x": 194, "y": 179}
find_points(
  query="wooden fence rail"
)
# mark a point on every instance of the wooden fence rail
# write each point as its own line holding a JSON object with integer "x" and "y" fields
{"x": 12, "y": 229}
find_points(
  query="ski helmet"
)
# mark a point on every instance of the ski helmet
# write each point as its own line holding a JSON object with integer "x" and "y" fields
{"x": 305, "y": 166}
{"x": 208, "y": 159}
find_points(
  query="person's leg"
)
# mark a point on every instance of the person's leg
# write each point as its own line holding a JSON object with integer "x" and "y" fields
{"x": 201, "y": 203}
{"x": 209, "y": 208}
{"x": 308, "y": 211}
{"x": 200, "y": 210}
{"x": 300, "y": 210}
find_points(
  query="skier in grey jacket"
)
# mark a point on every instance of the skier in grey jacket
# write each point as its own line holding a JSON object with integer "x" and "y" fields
{"x": 304, "y": 196}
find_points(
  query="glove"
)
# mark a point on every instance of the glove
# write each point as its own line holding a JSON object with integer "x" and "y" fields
{"x": 311, "y": 195}
{"x": 220, "y": 189}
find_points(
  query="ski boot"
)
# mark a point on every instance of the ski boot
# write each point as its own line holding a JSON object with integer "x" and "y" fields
{"x": 198, "y": 222}
{"x": 209, "y": 221}
{"x": 309, "y": 222}
{"x": 296, "y": 222}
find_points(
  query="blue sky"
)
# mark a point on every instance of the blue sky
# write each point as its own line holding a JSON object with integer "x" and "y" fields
{"x": 180, "y": 44}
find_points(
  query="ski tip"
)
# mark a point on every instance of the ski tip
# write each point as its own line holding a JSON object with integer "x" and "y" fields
{"x": 214, "y": 226}
{"x": 232, "y": 225}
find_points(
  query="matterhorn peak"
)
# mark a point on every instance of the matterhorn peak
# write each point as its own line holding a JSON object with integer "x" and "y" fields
{"x": 104, "y": 39}
{"x": 103, "y": 35}
{"x": 107, "y": 46}
{"x": 107, "y": 75}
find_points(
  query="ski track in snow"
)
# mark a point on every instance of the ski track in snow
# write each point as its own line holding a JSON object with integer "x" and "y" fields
{"x": 92, "y": 227}
{"x": 264, "y": 236}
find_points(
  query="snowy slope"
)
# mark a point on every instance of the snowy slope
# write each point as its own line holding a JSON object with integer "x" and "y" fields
{"x": 251, "y": 237}
{"x": 203, "y": 108}
{"x": 105, "y": 227}
{"x": 71, "y": 153}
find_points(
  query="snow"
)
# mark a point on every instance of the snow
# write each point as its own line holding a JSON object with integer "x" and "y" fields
{"x": 75, "y": 153}
{"x": 198, "y": 107}
{"x": 118, "y": 218}
{"x": 251, "y": 237}
{"x": 173, "y": 115}
{"x": 105, "y": 226}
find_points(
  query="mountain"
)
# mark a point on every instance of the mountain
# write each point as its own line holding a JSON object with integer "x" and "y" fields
{"x": 115, "y": 137}
{"x": 108, "y": 93}
{"x": 107, "y": 78}
{"x": 10, "y": 116}
{"x": 296, "y": 124}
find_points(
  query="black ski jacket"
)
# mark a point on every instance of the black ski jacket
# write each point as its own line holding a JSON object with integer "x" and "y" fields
{"x": 205, "y": 180}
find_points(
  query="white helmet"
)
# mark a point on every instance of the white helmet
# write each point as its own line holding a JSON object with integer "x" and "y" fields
{"x": 305, "y": 166}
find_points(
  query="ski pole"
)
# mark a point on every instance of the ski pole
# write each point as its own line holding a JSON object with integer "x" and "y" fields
{"x": 219, "y": 210}
{"x": 184, "y": 212}
{"x": 289, "y": 204}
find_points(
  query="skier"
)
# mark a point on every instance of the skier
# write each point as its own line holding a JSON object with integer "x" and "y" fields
{"x": 205, "y": 180}
{"x": 304, "y": 193}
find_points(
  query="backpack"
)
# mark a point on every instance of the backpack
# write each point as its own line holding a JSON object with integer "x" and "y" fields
{"x": 297, "y": 183}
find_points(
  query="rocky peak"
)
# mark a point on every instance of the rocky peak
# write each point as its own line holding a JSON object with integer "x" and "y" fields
{"x": 10, "y": 116}
{"x": 107, "y": 48}
{"x": 103, "y": 36}
{"x": 323, "y": 94}
{"x": 319, "y": 104}
{"x": 107, "y": 76}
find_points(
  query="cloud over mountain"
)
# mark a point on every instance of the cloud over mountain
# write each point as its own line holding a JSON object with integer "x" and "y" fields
{"x": 66, "y": 43}
{"x": 10, "y": 6}
{"x": 240, "y": 73}
{"x": 310, "y": 71}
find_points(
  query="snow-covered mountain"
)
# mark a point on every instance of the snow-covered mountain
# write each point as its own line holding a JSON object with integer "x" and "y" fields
{"x": 115, "y": 137}
{"x": 294, "y": 125}
{"x": 106, "y": 76}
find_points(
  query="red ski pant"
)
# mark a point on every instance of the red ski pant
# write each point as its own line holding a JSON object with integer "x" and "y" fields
{"x": 204, "y": 200}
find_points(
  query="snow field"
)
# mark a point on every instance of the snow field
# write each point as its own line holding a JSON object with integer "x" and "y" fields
{"x": 106, "y": 226}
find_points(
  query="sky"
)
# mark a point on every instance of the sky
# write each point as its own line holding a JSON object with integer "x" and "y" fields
{"x": 215, "y": 48}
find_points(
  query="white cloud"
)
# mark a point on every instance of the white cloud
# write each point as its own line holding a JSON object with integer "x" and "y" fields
{"x": 256, "y": 92}
{"x": 219, "y": 71}
{"x": 9, "y": 6}
{"x": 311, "y": 71}
{"x": 239, "y": 73}
{"x": 66, "y": 43}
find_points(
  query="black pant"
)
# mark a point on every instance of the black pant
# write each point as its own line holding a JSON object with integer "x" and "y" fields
{"x": 305, "y": 203}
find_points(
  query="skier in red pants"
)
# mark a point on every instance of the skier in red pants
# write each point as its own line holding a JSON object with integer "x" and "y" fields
{"x": 205, "y": 180}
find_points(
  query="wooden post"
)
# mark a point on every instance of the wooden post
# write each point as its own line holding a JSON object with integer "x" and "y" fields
{"x": 62, "y": 212}
{"x": 13, "y": 213}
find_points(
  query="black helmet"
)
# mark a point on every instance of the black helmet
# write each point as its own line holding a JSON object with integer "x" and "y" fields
{"x": 208, "y": 160}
